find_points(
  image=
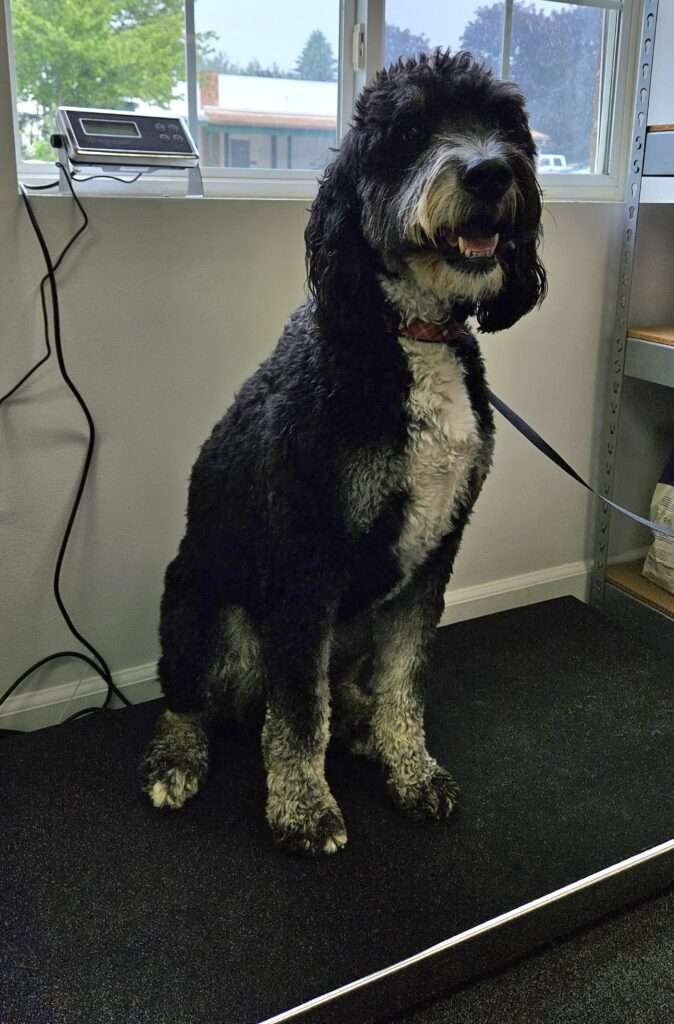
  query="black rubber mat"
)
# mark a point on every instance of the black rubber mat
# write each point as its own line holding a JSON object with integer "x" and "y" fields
{"x": 558, "y": 727}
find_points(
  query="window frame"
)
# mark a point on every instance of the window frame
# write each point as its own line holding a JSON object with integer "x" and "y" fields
{"x": 299, "y": 184}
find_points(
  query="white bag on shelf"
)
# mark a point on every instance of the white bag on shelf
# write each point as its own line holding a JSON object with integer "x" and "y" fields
{"x": 659, "y": 564}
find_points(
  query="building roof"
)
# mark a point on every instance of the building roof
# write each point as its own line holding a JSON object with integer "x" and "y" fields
{"x": 289, "y": 96}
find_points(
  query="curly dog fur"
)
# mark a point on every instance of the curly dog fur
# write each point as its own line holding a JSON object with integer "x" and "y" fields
{"x": 326, "y": 509}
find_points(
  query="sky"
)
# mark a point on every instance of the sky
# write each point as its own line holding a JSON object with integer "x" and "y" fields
{"x": 267, "y": 31}
{"x": 250, "y": 29}
{"x": 270, "y": 31}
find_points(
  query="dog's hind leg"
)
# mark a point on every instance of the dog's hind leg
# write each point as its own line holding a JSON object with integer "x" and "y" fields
{"x": 176, "y": 761}
{"x": 352, "y": 710}
{"x": 301, "y": 810}
{"x": 350, "y": 676}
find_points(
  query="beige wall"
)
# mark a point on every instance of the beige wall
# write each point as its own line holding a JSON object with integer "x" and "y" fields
{"x": 167, "y": 306}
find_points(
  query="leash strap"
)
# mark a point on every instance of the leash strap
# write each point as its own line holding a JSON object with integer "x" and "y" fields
{"x": 519, "y": 424}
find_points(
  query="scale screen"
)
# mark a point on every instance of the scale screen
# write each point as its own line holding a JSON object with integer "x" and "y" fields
{"x": 118, "y": 129}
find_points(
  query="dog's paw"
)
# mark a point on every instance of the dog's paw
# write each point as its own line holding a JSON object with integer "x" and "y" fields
{"x": 173, "y": 789}
{"x": 433, "y": 798}
{"x": 175, "y": 763}
{"x": 318, "y": 833}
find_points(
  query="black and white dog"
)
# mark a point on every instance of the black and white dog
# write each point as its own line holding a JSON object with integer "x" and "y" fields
{"x": 327, "y": 507}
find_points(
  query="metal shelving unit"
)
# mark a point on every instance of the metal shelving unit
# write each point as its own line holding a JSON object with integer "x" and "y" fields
{"x": 645, "y": 353}
{"x": 650, "y": 354}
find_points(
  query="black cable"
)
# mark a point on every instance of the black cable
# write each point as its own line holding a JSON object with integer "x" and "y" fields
{"x": 92, "y": 177}
{"x": 45, "y": 318}
{"x": 39, "y": 188}
{"x": 98, "y": 662}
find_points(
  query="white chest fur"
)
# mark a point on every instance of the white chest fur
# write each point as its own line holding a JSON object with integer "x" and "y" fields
{"x": 442, "y": 448}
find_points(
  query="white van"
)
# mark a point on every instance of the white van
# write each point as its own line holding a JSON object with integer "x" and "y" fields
{"x": 550, "y": 163}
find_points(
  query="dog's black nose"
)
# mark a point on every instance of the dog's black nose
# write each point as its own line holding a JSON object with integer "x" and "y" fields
{"x": 488, "y": 178}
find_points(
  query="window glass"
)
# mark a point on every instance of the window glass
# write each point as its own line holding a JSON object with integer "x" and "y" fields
{"x": 267, "y": 82}
{"x": 98, "y": 53}
{"x": 555, "y": 56}
{"x": 421, "y": 25}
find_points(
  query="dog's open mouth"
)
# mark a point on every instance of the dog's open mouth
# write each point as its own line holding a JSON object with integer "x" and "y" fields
{"x": 475, "y": 244}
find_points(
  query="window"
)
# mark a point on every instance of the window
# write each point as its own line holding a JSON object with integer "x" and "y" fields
{"x": 237, "y": 154}
{"x": 256, "y": 83}
{"x": 98, "y": 53}
{"x": 270, "y": 84}
{"x": 563, "y": 55}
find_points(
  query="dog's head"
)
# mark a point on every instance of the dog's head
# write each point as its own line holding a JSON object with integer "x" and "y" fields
{"x": 435, "y": 182}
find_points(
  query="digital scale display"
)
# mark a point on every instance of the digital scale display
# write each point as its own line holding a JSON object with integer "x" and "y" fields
{"x": 118, "y": 129}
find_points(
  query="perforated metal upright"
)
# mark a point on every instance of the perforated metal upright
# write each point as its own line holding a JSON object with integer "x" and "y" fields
{"x": 659, "y": 627}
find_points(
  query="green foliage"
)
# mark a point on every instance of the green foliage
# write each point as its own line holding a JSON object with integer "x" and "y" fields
{"x": 316, "y": 61}
{"x": 220, "y": 62}
{"x": 40, "y": 149}
{"x": 97, "y": 53}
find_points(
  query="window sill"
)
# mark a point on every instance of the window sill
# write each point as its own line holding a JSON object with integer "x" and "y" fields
{"x": 301, "y": 187}
{"x": 254, "y": 184}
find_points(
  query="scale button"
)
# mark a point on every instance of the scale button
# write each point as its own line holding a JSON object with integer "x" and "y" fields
{"x": 160, "y": 127}
{"x": 178, "y": 138}
{"x": 164, "y": 137}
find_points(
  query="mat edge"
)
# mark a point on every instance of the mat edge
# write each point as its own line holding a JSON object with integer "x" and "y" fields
{"x": 444, "y": 967}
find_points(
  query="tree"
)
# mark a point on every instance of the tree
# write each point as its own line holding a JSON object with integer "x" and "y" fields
{"x": 316, "y": 61}
{"x": 400, "y": 42}
{"x": 98, "y": 53}
{"x": 217, "y": 60}
{"x": 253, "y": 67}
{"x": 555, "y": 59}
{"x": 220, "y": 62}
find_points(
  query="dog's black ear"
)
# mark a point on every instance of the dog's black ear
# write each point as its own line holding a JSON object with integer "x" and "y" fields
{"x": 525, "y": 286}
{"x": 340, "y": 264}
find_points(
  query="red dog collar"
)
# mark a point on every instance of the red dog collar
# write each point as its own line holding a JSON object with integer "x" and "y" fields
{"x": 421, "y": 330}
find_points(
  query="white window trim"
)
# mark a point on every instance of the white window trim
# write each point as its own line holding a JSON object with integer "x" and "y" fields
{"x": 301, "y": 185}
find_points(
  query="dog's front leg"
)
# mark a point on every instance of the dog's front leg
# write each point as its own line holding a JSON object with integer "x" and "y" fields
{"x": 301, "y": 810}
{"x": 404, "y": 636}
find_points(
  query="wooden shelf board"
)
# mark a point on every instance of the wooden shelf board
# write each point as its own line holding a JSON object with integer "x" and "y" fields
{"x": 627, "y": 577}
{"x": 660, "y": 128}
{"x": 663, "y": 334}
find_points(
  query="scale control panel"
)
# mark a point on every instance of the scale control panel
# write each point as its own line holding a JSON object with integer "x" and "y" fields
{"x": 125, "y": 139}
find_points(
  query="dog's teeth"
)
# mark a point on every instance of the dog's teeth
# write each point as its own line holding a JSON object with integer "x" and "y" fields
{"x": 483, "y": 252}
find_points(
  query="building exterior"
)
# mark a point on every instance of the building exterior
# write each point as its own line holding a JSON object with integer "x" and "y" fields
{"x": 249, "y": 121}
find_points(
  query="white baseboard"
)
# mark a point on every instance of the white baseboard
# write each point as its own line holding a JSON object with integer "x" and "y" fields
{"x": 53, "y": 704}
{"x": 572, "y": 579}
